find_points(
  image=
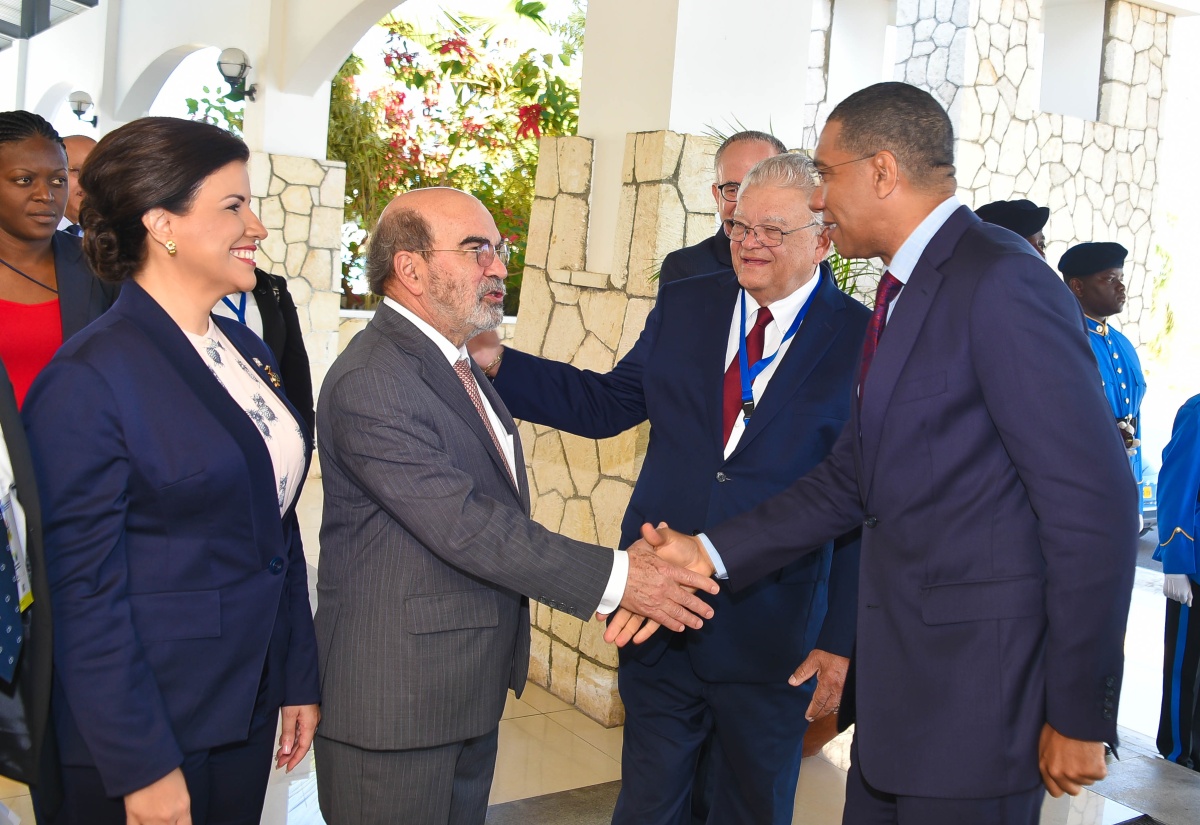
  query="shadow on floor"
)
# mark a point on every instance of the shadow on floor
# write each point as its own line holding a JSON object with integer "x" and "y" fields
{"x": 592, "y": 805}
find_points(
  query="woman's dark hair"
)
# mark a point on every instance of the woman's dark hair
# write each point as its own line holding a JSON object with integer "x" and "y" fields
{"x": 155, "y": 162}
{"x": 19, "y": 125}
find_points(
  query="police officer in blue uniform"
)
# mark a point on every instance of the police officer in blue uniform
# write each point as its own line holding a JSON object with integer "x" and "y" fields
{"x": 1178, "y": 517}
{"x": 1095, "y": 273}
{"x": 1023, "y": 217}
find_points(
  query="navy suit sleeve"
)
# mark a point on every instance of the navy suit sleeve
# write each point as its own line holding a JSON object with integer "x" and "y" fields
{"x": 1035, "y": 365}
{"x": 579, "y": 401}
{"x": 841, "y": 617}
{"x": 83, "y": 472}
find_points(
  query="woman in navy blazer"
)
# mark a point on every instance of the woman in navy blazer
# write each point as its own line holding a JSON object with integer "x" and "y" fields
{"x": 169, "y": 463}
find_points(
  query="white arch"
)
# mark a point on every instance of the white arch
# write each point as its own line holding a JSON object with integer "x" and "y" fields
{"x": 145, "y": 89}
{"x": 314, "y": 56}
{"x": 52, "y": 100}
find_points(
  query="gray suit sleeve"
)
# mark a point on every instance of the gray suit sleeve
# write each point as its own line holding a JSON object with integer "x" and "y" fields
{"x": 409, "y": 456}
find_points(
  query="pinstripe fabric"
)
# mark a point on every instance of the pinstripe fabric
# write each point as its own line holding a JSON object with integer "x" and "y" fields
{"x": 426, "y": 550}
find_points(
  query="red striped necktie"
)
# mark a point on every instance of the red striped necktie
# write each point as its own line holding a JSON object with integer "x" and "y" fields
{"x": 889, "y": 288}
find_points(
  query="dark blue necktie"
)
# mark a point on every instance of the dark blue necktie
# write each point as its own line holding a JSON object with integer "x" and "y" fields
{"x": 10, "y": 610}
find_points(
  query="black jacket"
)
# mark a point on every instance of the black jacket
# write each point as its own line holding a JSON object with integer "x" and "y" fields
{"x": 281, "y": 332}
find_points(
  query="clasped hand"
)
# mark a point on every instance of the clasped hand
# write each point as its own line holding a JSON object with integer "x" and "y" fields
{"x": 682, "y": 559}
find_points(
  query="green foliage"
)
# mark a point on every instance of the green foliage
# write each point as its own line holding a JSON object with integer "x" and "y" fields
{"x": 463, "y": 109}
{"x": 1161, "y": 313}
{"x": 223, "y": 109}
{"x": 856, "y": 277}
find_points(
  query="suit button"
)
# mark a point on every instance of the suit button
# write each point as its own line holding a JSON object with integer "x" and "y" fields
{"x": 721, "y": 477}
{"x": 870, "y": 521}
{"x": 1109, "y": 681}
{"x": 1109, "y": 692}
{"x": 275, "y": 565}
{"x": 1107, "y": 714}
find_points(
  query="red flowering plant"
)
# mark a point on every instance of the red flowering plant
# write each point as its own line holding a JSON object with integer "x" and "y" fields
{"x": 462, "y": 108}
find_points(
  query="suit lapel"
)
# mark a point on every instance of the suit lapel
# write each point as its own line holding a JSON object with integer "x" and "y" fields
{"x": 719, "y": 311}
{"x": 510, "y": 427}
{"x": 75, "y": 282}
{"x": 436, "y": 371}
{"x": 900, "y": 336}
{"x": 808, "y": 347}
{"x": 142, "y": 311}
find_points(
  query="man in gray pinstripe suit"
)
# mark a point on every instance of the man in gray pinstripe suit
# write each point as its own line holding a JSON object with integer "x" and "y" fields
{"x": 427, "y": 549}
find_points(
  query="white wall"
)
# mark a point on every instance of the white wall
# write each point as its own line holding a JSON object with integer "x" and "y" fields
{"x": 1073, "y": 37}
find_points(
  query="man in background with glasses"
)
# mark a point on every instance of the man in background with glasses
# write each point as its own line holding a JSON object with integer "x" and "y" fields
{"x": 746, "y": 380}
{"x": 734, "y": 158}
{"x": 428, "y": 553}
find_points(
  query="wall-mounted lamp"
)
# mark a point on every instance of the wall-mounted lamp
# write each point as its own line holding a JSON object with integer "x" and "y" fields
{"x": 234, "y": 66}
{"x": 81, "y": 104}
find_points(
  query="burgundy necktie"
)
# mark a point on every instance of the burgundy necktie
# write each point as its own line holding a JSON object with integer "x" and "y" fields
{"x": 733, "y": 376}
{"x": 889, "y": 288}
{"x": 463, "y": 367}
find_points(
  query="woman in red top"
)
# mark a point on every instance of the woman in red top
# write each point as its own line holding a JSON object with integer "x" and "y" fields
{"x": 47, "y": 292}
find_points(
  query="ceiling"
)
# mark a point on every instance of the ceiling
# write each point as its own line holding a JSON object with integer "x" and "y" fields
{"x": 22, "y": 19}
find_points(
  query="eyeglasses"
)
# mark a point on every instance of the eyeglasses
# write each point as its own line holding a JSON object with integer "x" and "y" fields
{"x": 485, "y": 253}
{"x": 729, "y": 191}
{"x": 821, "y": 172}
{"x": 765, "y": 235}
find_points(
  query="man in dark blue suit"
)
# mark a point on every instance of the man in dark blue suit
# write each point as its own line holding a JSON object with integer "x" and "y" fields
{"x": 735, "y": 157}
{"x": 999, "y": 519}
{"x": 719, "y": 444}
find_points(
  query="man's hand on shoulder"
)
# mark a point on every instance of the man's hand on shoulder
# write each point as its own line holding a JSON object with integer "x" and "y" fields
{"x": 486, "y": 350}
{"x": 1068, "y": 764}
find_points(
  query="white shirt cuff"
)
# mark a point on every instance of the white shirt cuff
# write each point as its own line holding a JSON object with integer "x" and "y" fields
{"x": 714, "y": 557}
{"x": 616, "y": 583}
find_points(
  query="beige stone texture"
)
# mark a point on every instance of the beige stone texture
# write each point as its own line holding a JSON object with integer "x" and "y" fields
{"x": 609, "y": 500}
{"x": 565, "y": 628}
{"x": 259, "y": 169}
{"x": 561, "y": 289}
{"x": 603, "y": 315}
{"x": 565, "y": 333}
{"x": 550, "y": 469}
{"x": 294, "y": 259}
{"x": 568, "y": 239}
{"x": 624, "y": 236}
{"x": 657, "y": 156}
{"x": 536, "y": 304}
{"x": 326, "y": 227}
{"x": 271, "y": 213}
{"x": 591, "y": 280}
{"x": 578, "y": 521}
{"x": 593, "y": 646}
{"x": 305, "y": 171}
{"x": 276, "y": 185}
{"x": 583, "y": 462}
{"x": 544, "y": 616}
{"x": 593, "y": 355}
{"x": 696, "y": 173}
{"x": 574, "y": 164}
{"x": 627, "y": 160}
{"x": 657, "y": 229}
{"x": 539, "y": 657}
{"x": 275, "y": 249}
{"x": 318, "y": 269}
{"x": 564, "y": 664}
{"x": 541, "y": 218}
{"x": 297, "y": 198}
{"x": 295, "y": 227}
{"x": 333, "y": 188}
{"x": 547, "y": 507}
{"x": 545, "y": 182}
{"x": 596, "y": 694}
{"x": 700, "y": 225}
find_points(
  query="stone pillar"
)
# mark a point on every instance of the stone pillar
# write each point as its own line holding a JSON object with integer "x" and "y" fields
{"x": 581, "y": 487}
{"x": 301, "y": 203}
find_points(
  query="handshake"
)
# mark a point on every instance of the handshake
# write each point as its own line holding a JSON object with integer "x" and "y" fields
{"x": 666, "y": 569}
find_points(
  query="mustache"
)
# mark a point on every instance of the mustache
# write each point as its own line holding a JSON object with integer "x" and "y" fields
{"x": 491, "y": 285}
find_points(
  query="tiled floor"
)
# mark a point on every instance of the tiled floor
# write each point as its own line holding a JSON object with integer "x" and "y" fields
{"x": 547, "y": 746}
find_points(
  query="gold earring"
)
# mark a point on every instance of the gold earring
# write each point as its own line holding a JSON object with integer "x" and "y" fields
{"x": 171, "y": 248}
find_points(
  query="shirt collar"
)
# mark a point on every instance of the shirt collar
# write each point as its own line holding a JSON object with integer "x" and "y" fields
{"x": 783, "y": 311}
{"x": 452, "y": 353}
{"x": 905, "y": 260}
{"x": 1099, "y": 327}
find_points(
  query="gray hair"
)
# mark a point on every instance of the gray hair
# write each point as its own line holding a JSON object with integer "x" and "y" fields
{"x": 397, "y": 230}
{"x": 748, "y": 135}
{"x": 793, "y": 170}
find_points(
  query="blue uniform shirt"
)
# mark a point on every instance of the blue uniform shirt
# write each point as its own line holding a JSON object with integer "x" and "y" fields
{"x": 1178, "y": 494}
{"x": 1121, "y": 374}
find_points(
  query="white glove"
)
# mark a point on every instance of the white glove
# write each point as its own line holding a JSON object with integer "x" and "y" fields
{"x": 1178, "y": 586}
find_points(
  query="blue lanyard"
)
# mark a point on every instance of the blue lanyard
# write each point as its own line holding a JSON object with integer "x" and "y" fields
{"x": 748, "y": 372}
{"x": 240, "y": 309}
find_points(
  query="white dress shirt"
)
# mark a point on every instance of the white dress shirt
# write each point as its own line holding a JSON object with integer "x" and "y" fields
{"x": 620, "y": 569}
{"x": 783, "y": 312}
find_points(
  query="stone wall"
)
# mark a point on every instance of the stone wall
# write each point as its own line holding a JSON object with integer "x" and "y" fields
{"x": 982, "y": 59}
{"x": 580, "y": 487}
{"x": 301, "y": 203}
